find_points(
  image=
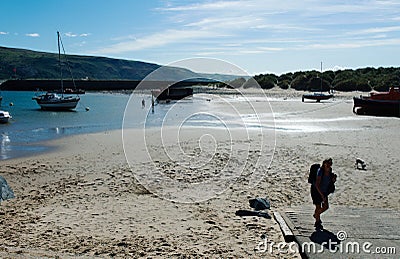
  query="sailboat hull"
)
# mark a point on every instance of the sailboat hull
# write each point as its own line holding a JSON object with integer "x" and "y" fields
{"x": 59, "y": 104}
{"x": 317, "y": 97}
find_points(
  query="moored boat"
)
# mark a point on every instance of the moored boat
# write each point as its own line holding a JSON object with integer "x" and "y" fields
{"x": 381, "y": 103}
{"x": 4, "y": 117}
{"x": 316, "y": 96}
{"x": 53, "y": 101}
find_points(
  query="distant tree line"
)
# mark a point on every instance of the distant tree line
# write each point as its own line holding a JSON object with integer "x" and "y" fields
{"x": 363, "y": 79}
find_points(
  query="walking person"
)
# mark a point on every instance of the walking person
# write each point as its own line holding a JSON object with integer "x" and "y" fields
{"x": 321, "y": 188}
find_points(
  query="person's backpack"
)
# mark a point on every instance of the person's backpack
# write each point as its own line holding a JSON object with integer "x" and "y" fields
{"x": 331, "y": 188}
{"x": 313, "y": 173}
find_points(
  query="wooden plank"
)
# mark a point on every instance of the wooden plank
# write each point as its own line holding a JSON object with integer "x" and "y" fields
{"x": 287, "y": 233}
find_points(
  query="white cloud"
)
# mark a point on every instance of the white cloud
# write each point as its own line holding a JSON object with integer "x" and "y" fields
{"x": 337, "y": 68}
{"x": 259, "y": 26}
{"x": 3, "y": 33}
{"x": 376, "y": 30}
{"x": 155, "y": 40}
{"x": 70, "y": 34}
{"x": 73, "y": 35}
{"x": 34, "y": 35}
{"x": 354, "y": 44}
{"x": 219, "y": 5}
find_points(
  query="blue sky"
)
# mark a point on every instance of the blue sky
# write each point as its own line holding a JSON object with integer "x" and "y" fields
{"x": 260, "y": 36}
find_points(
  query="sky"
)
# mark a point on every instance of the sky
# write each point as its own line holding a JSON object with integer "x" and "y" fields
{"x": 259, "y": 36}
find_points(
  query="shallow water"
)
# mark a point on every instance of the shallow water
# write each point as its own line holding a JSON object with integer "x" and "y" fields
{"x": 30, "y": 125}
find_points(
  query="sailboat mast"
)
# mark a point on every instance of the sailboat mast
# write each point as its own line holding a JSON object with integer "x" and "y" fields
{"x": 59, "y": 63}
{"x": 321, "y": 77}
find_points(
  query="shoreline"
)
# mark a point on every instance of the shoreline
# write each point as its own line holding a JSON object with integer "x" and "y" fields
{"x": 84, "y": 199}
{"x": 272, "y": 95}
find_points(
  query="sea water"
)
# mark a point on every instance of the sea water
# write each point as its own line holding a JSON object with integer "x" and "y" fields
{"x": 99, "y": 112}
{"x": 30, "y": 125}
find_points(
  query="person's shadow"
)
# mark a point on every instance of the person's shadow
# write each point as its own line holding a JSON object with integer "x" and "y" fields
{"x": 325, "y": 238}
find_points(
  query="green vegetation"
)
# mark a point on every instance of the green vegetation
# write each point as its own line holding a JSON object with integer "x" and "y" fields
{"x": 27, "y": 64}
{"x": 363, "y": 79}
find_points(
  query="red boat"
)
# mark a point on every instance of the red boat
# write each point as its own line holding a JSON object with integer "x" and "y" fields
{"x": 381, "y": 103}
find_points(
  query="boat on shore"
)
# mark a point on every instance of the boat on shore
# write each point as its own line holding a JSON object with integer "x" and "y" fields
{"x": 5, "y": 117}
{"x": 380, "y": 104}
{"x": 53, "y": 101}
{"x": 316, "y": 96}
{"x": 172, "y": 93}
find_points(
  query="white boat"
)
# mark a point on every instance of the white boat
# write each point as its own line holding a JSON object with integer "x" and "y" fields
{"x": 4, "y": 116}
{"x": 53, "y": 101}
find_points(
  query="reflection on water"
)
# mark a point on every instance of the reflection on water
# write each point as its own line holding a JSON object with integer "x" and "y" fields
{"x": 4, "y": 148}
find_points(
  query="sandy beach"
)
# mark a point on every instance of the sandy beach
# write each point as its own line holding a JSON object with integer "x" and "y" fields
{"x": 84, "y": 199}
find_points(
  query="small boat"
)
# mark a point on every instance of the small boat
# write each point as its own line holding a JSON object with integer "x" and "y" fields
{"x": 381, "y": 103}
{"x": 5, "y": 117}
{"x": 172, "y": 93}
{"x": 316, "y": 96}
{"x": 53, "y": 101}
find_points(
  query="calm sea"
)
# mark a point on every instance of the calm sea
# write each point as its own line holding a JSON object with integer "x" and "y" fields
{"x": 30, "y": 125}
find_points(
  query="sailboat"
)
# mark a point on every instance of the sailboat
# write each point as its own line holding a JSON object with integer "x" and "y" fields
{"x": 54, "y": 101}
{"x": 317, "y": 96}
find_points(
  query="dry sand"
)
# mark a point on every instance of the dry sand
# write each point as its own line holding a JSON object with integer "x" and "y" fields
{"x": 82, "y": 200}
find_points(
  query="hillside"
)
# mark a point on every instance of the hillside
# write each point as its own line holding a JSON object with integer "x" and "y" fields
{"x": 27, "y": 64}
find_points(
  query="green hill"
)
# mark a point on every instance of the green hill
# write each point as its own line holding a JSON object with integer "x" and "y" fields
{"x": 28, "y": 64}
